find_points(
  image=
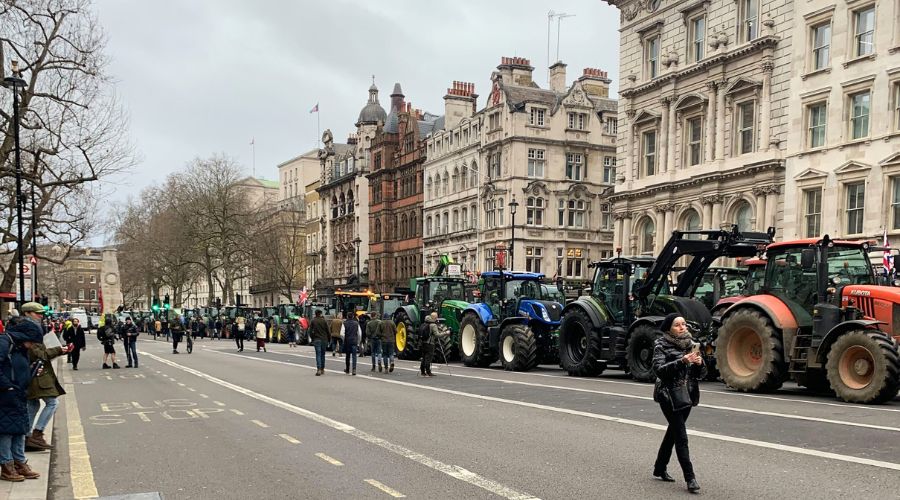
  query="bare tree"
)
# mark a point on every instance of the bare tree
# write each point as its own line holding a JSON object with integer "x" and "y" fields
{"x": 279, "y": 256}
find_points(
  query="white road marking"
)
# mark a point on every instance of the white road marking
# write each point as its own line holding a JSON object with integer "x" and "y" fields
{"x": 219, "y": 403}
{"x": 259, "y": 423}
{"x": 789, "y": 416}
{"x": 330, "y": 460}
{"x": 454, "y": 471}
{"x": 289, "y": 438}
{"x": 387, "y": 489}
{"x": 236, "y": 412}
{"x": 637, "y": 423}
{"x": 204, "y": 396}
{"x": 182, "y": 384}
{"x": 192, "y": 389}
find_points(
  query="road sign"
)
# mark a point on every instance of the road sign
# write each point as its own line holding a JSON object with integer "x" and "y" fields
{"x": 25, "y": 269}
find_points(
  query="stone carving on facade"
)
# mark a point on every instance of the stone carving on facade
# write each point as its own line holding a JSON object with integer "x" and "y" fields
{"x": 669, "y": 58}
{"x": 718, "y": 38}
{"x": 665, "y": 207}
{"x": 620, "y": 215}
{"x": 711, "y": 199}
{"x": 764, "y": 190}
{"x": 536, "y": 188}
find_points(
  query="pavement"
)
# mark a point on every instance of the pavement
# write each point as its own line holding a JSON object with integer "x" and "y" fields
{"x": 222, "y": 424}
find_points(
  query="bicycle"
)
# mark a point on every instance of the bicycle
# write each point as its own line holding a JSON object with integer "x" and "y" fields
{"x": 190, "y": 344}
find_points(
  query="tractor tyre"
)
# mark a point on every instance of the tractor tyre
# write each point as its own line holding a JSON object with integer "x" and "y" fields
{"x": 444, "y": 346}
{"x": 864, "y": 367}
{"x": 405, "y": 341}
{"x": 639, "y": 353}
{"x": 518, "y": 348}
{"x": 473, "y": 342}
{"x": 579, "y": 345}
{"x": 815, "y": 381}
{"x": 750, "y": 353}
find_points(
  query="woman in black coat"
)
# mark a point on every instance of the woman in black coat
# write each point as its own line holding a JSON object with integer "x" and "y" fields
{"x": 678, "y": 367}
{"x": 74, "y": 334}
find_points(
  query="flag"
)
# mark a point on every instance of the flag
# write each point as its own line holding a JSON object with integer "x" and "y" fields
{"x": 100, "y": 298}
{"x": 304, "y": 294}
{"x": 888, "y": 259}
{"x": 315, "y": 109}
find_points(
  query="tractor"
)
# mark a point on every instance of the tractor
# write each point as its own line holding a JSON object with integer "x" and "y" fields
{"x": 515, "y": 321}
{"x": 753, "y": 277}
{"x": 819, "y": 319}
{"x": 285, "y": 318}
{"x": 618, "y": 323}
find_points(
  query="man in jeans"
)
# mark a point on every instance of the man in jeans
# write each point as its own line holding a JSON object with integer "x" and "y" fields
{"x": 351, "y": 333}
{"x": 388, "y": 338}
{"x": 129, "y": 334}
{"x": 373, "y": 334}
{"x": 319, "y": 333}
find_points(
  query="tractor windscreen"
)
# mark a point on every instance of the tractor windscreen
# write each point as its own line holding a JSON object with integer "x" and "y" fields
{"x": 439, "y": 291}
{"x": 551, "y": 292}
{"x": 528, "y": 289}
{"x": 850, "y": 265}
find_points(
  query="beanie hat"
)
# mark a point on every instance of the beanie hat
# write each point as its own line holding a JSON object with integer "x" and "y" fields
{"x": 667, "y": 322}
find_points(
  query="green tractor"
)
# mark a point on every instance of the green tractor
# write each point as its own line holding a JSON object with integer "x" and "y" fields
{"x": 617, "y": 323}
{"x": 445, "y": 294}
{"x": 285, "y": 320}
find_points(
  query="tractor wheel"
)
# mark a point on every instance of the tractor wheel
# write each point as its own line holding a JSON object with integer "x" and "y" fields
{"x": 864, "y": 367}
{"x": 407, "y": 345}
{"x": 444, "y": 346}
{"x": 473, "y": 340}
{"x": 518, "y": 348}
{"x": 815, "y": 381}
{"x": 579, "y": 345}
{"x": 750, "y": 353}
{"x": 639, "y": 353}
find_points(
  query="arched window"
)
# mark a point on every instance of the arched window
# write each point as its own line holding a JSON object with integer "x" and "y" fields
{"x": 377, "y": 230}
{"x": 465, "y": 218}
{"x": 464, "y": 178}
{"x": 446, "y": 183}
{"x": 499, "y": 204}
{"x": 404, "y": 225}
{"x": 455, "y": 179}
{"x": 648, "y": 234}
{"x": 692, "y": 223}
{"x": 473, "y": 211}
{"x": 455, "y": 221}
{"x": 742, "y": 216}
{"x": 446, "y": 223}
{"x": 334, "y": 206}
{"x": 473, "y": 175}
{"x": 430, "y": 187}
{"x": 350, "y": 201}
{"x": 428, "y": 226}
{"x": 437, "y": 225}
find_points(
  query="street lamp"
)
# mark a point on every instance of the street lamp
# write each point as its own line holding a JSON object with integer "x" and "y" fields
{"x": 513, "y": 205}
{"x": 16, "y": 82}
{"x": 357, "y": 242}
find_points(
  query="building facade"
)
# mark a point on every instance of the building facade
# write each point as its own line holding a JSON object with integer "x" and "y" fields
{"x": 843, "y": 138}
{"x": 452, "y": 182}
{"x": 397, "y": 155}
{"x": 87, "y": 276}
{"x": 313, "y": 229}
{"x": 704, "y": 100}
{"x": 552, "y": 152}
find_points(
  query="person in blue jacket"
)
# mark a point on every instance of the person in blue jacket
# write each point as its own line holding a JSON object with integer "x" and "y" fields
{"x": 15, "y": 377}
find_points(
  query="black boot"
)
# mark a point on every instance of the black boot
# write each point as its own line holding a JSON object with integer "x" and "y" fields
{"x": 663, "y": 476}
{"x": 693, "y": 486}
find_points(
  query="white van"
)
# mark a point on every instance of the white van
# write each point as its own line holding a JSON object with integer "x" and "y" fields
{"x": 81, "y": 314}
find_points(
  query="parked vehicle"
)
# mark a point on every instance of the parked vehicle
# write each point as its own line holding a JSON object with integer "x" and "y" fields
{"x": 819, "y": 319}
{"x": 753, "y": 278}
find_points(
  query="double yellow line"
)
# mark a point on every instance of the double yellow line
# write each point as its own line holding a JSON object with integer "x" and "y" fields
{"x": 80, "y": 470}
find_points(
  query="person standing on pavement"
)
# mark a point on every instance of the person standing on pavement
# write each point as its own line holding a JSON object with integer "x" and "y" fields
{"x": 261, "y": 335}
{"x": 677, "y": 366}
{"x": 351, "y": 333}
{"x": 15, "y": 377}
{"x": 388, "y": 338}
{"x": 44, "y": 387}
{"x": 373, "y": 335}
{"x": 427, "y": 336}
{"x": 129, "y": 334}
{"x": 74, "y": 335}
{"x": 320, "y": 334}
{"x": 336, "y": 325}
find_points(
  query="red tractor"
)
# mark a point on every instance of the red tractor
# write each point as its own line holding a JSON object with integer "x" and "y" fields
{"x": 819, "y": 319}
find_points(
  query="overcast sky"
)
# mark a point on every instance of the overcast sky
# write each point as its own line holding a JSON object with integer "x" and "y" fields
{"x": 200, "y": 77}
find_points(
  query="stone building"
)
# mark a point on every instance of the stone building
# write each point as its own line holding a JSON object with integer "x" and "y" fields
{"x": 344, "y": 201}
{"x": 552, "y": 151}
{"x": 843, "y": 140}
{"x": 397, "y": 154}
{"x": 313, "y": 229}
{"x": 704, "y": 100}
{"x": 297, "y": 173}
{"x": 451, "y": 182}
{"x": 87, "y": 275}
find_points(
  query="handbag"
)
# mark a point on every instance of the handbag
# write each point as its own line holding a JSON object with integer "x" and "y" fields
{"x": 679, "y": 395}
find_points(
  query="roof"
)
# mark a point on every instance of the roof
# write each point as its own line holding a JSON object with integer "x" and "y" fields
{"x": 639, "y": 259}
{"x": 812, "y": 241}
{"x": 516, "y": 94}
{"x": 513, "y": 275}
{"x": 269, "y": 184}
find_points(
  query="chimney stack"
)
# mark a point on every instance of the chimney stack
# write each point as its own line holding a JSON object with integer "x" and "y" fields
{"x": 558, "y": 77}
{"x": 595, "y": 82}
{"x": 516, "y": 71}
{"x": 459, "y": 103}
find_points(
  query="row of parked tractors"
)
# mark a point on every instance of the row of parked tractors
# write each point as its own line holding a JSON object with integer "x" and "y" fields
{"x": 810, "y": 311}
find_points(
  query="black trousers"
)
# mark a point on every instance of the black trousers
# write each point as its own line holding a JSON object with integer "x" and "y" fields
{"x": 676, "y": 436}
{"x": 427, "y": 356}
{"x": 76, "y": 355}
{"x": 239, "y": 340}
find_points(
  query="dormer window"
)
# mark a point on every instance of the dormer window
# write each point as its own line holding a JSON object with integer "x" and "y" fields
{"x": 536, "y": 117}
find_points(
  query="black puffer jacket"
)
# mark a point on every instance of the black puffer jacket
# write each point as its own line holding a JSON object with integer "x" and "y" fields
{"x": 670, "y": 370}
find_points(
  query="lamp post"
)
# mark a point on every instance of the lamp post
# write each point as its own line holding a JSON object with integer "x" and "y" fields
{"x": 357, "y": 242}
{"x": 513, "y": 205}
{"x": 16, "y": 82}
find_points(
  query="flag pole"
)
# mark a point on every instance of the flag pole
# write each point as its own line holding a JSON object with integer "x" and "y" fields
{"x": 318, "y": 129}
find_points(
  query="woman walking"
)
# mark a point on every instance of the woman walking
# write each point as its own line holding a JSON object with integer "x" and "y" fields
{"x": 260, "y": 335}
{"x": 679, "y": 367}
{"x": 74, "y": 334}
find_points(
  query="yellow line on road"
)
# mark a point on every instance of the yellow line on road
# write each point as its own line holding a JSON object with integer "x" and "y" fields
{"x": 329, "y": 459}
{"x": 80, "y": 470}
{"x": 289, "y": 439}
{"x": 259, "y": 423}
{"x": 237, "y": 412}
{"x": 387, "y": 489}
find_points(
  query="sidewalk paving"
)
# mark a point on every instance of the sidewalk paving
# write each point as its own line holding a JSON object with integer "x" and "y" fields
{"x": 34, "y": 489}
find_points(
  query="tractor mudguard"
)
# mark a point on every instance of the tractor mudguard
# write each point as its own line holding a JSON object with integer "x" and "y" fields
{"x": 592, "y": 308}
{"x": 653, "y": 321}
{"x": 413, "y": 312}
{"x": 482, "y": 310}
{"x": 834, "y": 333}
{"x": 776, "y": 310}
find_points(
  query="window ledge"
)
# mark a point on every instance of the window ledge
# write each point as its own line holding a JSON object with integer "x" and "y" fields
{"x": 539, "y": 127}
{"x": 586, "y": 131}
{"x": 870, "y": 57}
{"x": 816, "y": 72}
{"x": 812, "y": 151}
{"x": 856, "y": 142}
{"x": 893, "y": 50}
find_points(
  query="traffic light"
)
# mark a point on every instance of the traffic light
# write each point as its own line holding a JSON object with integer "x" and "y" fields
{"x": 166, "y": 302}
{"x": 155, "y": 305}
{"x": 218, "y": 303}
{"x": 237, "y": 301}
{"x": 47, "y": 310}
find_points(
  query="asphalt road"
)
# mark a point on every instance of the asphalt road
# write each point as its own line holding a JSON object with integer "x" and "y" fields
{"x": 221, "y": 424}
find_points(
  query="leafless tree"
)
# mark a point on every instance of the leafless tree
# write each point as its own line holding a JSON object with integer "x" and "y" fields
{"x": 279, "y": 248}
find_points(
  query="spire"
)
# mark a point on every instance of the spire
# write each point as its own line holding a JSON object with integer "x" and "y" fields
{"x": 397, "y": 98}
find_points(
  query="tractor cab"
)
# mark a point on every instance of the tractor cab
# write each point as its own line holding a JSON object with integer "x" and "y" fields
{"x": 615, "y": 278}
{"x": 432, "y": 291}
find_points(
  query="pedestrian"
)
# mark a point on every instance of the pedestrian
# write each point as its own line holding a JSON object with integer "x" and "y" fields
{"x": 166, "y": 327}
{"x": 129, "y": 334}
{"x": 238, "y": 333}
{"x": 218, "y": 330}
{"x": 351, "y": 333}
{"x": 261, "y": 335}
{"x": 320, "y": 335}
{"x": 44, "y": 387}
{"x": 428, "y": 332}
{"x": 177, "y": 329}
{"x": 74, "y": 335}
{"x": 679, "y": 367}
{"x": 363, "y": 319}
{"x": 388, "y": 339}
{"x": 336, "y": 324}
{"x": 201, "y": 329}
{"x": 373, "y": 334}
{"x": 15, "y": 377}
{"x": 157, "y": 329}
{"x": 106, "y": 334}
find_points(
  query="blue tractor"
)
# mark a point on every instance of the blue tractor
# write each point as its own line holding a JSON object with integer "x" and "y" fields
{"x": 515, "y": 321}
